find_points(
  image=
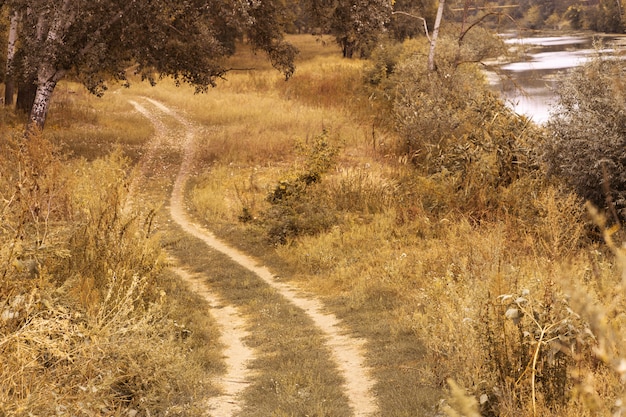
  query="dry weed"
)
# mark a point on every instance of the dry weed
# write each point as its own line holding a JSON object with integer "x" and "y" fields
{"x": 84, "y": 317}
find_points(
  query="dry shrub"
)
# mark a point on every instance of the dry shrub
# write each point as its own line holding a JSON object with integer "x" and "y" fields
{"x": 601, "y": 305}
{"x": 451, "y": 126}
{"x": 561, "y": 223}
{"x": 488, "y": 302}
{"x": 36, "y": 202}
{"x": 84, "y": 327}
{"x": 493, "y": 315}
{"x": 530, "y": 348}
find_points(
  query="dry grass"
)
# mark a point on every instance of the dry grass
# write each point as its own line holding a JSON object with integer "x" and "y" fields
{"x": 91, "y": 127}
{"x": 520, "y": 308}
{"x": 427, "y": 285}
{"x": 90, "y": 322}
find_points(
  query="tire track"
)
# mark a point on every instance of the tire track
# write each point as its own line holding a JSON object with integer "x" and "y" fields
{"x": 236, "y": 354}
{"x": 347, "y": 351}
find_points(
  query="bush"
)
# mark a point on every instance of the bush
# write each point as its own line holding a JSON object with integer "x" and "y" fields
{"x": 466, "y": 137}
{"x": 298, "y": 206}
{"x": 587, "y": 134}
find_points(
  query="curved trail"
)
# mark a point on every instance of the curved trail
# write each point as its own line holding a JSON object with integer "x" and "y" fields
{"x": 346, "y": 350}
{"x": 228, "y": 318}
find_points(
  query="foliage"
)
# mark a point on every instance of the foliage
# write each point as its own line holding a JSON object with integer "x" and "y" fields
{"x": 452, "y": 126}
{"x": 402, "y": 26}
{"x": 587, "y": 131}
{"x": 295, "y": 209}
{"x": 574, "y": 14}
{"x": 381, "y": 66}
{"x": 356, "y": 25}
{"x": 604, "y": 17}
{"x": 97, "y": 41}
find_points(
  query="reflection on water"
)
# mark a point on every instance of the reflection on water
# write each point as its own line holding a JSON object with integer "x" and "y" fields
{"x": 528, "y": 85}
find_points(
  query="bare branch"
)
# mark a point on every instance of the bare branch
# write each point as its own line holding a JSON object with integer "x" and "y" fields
{"x": 477, "y": 22}
{"x": 415, "y": 17}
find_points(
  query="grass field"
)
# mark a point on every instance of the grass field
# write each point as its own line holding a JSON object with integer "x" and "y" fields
{"x": 522, "y": 308}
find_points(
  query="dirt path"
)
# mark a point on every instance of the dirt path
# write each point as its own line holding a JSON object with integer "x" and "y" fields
{"x": 347, "y": 351}
{"x": 236, "y": 354}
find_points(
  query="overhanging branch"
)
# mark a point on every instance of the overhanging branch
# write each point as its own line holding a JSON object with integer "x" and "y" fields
{"x": 415, "y": 17}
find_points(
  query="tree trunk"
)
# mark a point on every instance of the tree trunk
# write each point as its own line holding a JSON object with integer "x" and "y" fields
{"x": 49, "y": 74}
{"x": 26, "y": 91}
{"x": 347, "y": 48}
{"x": 433, "y": 40}
{"x": 9, "y": 83}
{"x": 43, "y": 95}
{"x": 9, "y": 90}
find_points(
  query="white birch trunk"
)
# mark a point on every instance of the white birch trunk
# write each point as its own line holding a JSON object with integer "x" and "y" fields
{"x": 41, "y": 105}
{"x": 433, "y": 40}
{"x": 9, "y": 84}
{"x": 49, "y": 74}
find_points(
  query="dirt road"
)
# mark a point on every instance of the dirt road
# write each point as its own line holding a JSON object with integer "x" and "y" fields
{"x": 346, "y": 351}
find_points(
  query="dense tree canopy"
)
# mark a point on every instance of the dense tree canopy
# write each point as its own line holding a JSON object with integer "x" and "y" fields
{"x": 96, "y": 40}
{"x": 355, "y": 24}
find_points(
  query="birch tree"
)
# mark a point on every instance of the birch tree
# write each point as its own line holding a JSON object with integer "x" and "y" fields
{"x": 433, "y": 39}
{"x": 96, "y": 40}
{"x": 9, "y": 83}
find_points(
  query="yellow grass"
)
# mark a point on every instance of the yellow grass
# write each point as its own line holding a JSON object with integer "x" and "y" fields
{"x": 403, "y": 274}
{"x": 432, "y": 289}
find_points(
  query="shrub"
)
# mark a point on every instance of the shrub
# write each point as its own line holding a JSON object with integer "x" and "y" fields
{"x": 452, "y": 127}
{"x": 533, "y": 341}
{"x": 298, "y": 206}
{"x": 478, "y": 146}
{"x": 587, "y": 134}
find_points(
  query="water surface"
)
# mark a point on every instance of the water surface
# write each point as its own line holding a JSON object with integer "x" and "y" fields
{"x": 528, "y": 85}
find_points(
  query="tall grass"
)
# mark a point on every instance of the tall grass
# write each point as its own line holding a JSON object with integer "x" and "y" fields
{"x": 89, "y": 325}
{"x": 514, "y": 311}
{"x": 91, "y": 127}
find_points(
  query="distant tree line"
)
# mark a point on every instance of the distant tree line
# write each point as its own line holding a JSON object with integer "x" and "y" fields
{"x": 96, "y": 41}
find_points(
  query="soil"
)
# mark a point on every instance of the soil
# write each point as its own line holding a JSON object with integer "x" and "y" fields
{"x": 347, "y": 351}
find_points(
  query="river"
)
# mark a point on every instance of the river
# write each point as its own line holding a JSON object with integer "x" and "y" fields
{"x": 528, "y": 84}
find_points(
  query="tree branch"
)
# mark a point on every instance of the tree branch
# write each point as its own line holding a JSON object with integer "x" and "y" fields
{"x": 477, "y": 22}
{"x": 415, "y": 17}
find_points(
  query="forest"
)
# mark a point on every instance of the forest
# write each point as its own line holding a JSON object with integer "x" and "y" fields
{"x": 296, "y": 163}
